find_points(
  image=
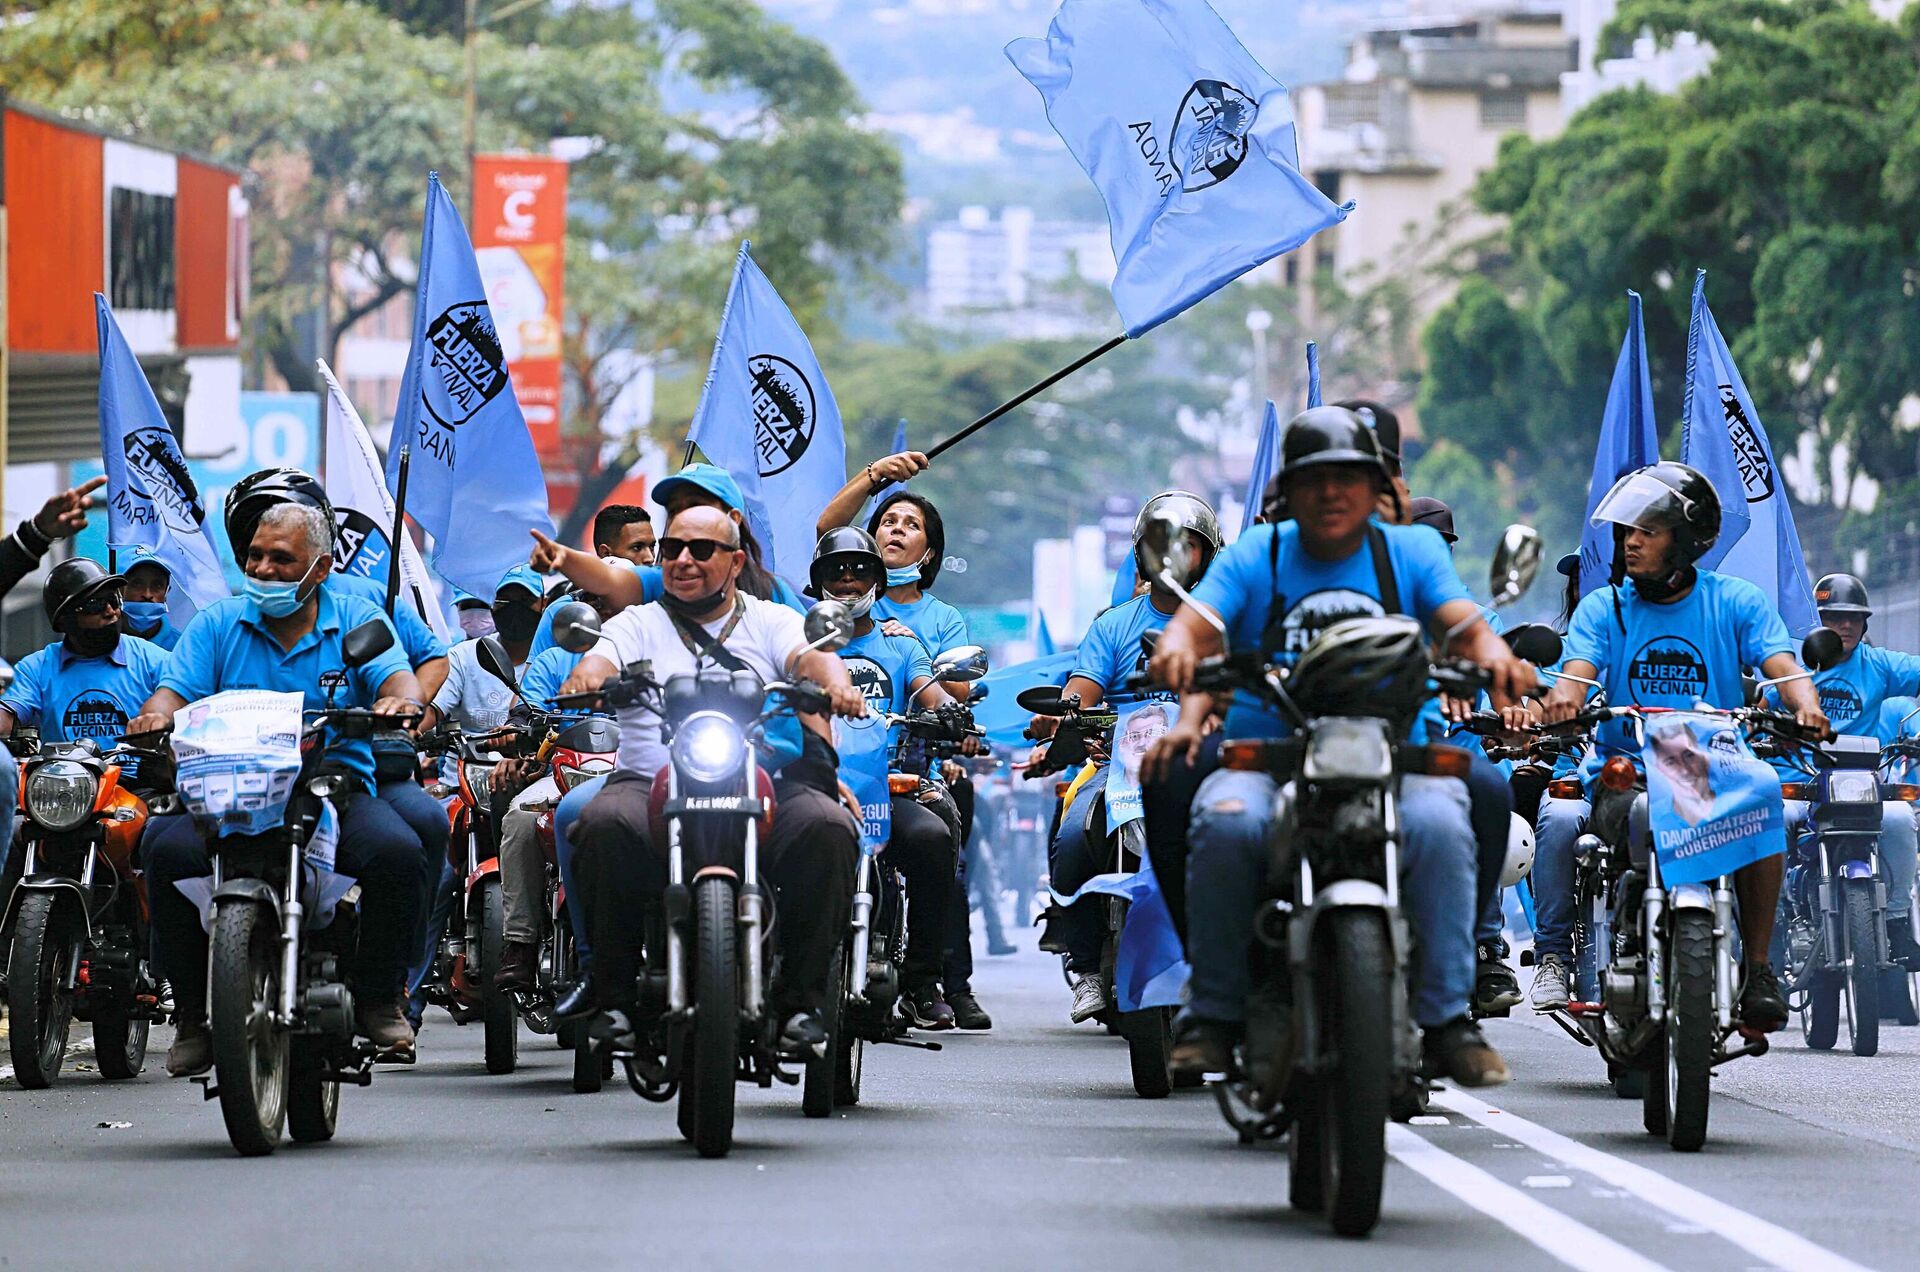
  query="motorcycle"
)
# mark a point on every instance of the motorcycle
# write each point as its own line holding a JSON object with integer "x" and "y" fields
{"x": 461, "y": 979}
{"x": 280, "y": 1012}
{"x": 1330, "y": 1045}
{"x": 78, "y": 920}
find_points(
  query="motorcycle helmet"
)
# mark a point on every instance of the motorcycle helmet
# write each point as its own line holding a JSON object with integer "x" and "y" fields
{"x": 1842, "y": 594}
{"x": 70, "y": 583}
{"x": 1190, "y": 512}
{"x": 1325, "y": 435}
{"x": 1375, "y": 665}
{"x": 253, "y": 494}
{"x": 1519, "y": 862}
{"x": 848, "y": 544}
{"x": 1665, "y": 495}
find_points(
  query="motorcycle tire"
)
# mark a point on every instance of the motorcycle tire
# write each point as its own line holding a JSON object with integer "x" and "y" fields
{"x": 120, "y": 1044}
{"x": 1149, "y": 1035}
{"x": 1692, "y": 1029}
{"x": 498, "y": 1012}
{"x": 1359, "y": 1092}
{"x": 716, "y": 1016}
{"x": 1863, "y": 975}
{"x": 1411, "y": 1102}
{"x": 816, "y": 1091}
{"x": 39, "y": 1004}
{"x": 250, "y": 1060}
{"x": 849, "y": 1061}
{"x": 1306, "y": 1154}
{"x": 686, "y": 1116}
{"x": 1820, "y": 1019}
{"x": 313, "y": 1103}
{"x": 587, "y": 1074}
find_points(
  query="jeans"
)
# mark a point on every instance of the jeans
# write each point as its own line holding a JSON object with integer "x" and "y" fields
{"x": 924, "y": 846}
{"x": 1226, "y": 876}
{"x": 1898, "y": 844}
{"x": 523, "y": 867}
{"x": 1560, "y": 823}
{"x": 1076, "y": 857}
{"x": 9, "y": 806}
{"x": 1491, "y": 802}
{"x": 426, "y": 817}
{"x": 376, "y": 847}
{"x": 1169, "y": 805}
{"x": 563, "y": 819}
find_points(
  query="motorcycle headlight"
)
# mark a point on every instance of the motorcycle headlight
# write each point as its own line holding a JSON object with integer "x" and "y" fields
{"x": 570, "y": 776}
{"x": 60, "y": 794}
{"x": 709, "y": 748}
{"x": 1858, "y": 787}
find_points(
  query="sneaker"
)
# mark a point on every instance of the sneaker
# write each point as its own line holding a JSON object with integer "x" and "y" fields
{"x": 1459, "y": 1051}
{"x": 968, "y": 1013}
{"x": 1089, "y": 997}
{"x": 518, "y": 962}
{"x": 803, "y": 1035}
{"x": 928, "y": 1010}
{"x": 1550, "y": 984}
{"x": 614, "y": 1028}
{"x": 1495, "y": 988}
{"x": 1900, "y": 943}
{"x": 1201, "y": 1047}
{"x": 1762, "y": 1006}
{"x": 192, "y": 1050}
{"x": 1000, "y": 947}
{"x": 384, "y": 1024}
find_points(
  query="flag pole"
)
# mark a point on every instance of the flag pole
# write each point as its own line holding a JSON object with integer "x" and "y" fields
{"x": 1039, "y": 388}
{"x": 399, "y": 528}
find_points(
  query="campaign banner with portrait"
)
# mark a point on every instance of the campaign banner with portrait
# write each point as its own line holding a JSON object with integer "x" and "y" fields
{"x": 1139, "y": 727}
{"x": 1713, "y": 805}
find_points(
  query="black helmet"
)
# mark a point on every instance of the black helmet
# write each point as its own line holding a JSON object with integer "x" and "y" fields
{"x": 1330, "y": 435}
{"x": 1665, "y": 495}
{"x": 848, "y": 543}
{"x": 71, "y": 582}
{"x": 1842, "y": 594}
{"x": 1381, "y": 662}
{"x": 253, "y": 494}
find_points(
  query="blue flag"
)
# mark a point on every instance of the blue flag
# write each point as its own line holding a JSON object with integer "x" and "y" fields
{"x": 1189, "y": 140}
{"x": 1042, "y": 638}
{"x": 1265, "y": 455}
{"x": 475, "y": 483}
{"x": 1725, "y": 439}
{"x": 767, "y": 416}
{"x": 152, "y": 502}
{"x": 1313, "y": 376}
{"x": 1005, "y": 719}
{"x": 1149, "y": 967}
{"x": 1628, "y": 440}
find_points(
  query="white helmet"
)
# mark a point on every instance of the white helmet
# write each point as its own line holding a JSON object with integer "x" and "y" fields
{"x": 1519, "y": 862}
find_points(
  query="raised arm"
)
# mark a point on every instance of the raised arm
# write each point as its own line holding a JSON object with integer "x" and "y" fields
{"x": 869, "y": 481}
{"x": 583, "y": 569}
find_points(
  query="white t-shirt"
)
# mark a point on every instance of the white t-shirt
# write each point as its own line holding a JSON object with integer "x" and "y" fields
{"x": 470, "y": 697}
{"x": 767, "y": 639}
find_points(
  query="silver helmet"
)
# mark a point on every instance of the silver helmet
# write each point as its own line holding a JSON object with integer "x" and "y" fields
{"x": 1189, "y": 510}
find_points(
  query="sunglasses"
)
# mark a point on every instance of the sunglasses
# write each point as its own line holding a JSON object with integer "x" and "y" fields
{"x": 99, "y": 603}
{"x": 860, "y": 571}
{"x": 702, "y": 549}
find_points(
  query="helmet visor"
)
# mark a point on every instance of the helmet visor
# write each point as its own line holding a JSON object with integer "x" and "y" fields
{"x": 1643, "y": 502}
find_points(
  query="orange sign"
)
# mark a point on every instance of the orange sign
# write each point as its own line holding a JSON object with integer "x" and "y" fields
{"x": 520, "y": 238}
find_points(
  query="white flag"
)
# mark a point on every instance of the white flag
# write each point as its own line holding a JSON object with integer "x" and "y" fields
{"x": 363, "y": 510}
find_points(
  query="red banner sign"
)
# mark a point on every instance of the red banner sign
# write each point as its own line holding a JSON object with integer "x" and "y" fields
{"x": 520, "y": 238}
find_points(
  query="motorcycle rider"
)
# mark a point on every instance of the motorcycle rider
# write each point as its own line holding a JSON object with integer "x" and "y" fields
{"x": 1106, "y": 656}
{"x": 895, "y": 674}
{"x": 1275, "y": 590}
{"x": 624, "y": 530}
{"x": 809, "y": 854}
{"x": 1852, "y": 693}
{"x": 284, "y": 633}
{"x": 1661, "y": 616}
{"x": 143, "y": 612}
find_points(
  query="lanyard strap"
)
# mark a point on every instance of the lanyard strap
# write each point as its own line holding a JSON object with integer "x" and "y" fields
{"x": 699, "y": 643}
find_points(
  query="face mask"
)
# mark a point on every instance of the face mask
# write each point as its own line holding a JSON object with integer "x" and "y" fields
{"x": 140, "y": 617}
{"x": 476, "y": 622}
{"x": 94, "y": 644}
{"x": 906, "y": 574}
{"x": 515, "y": 623}
{"x": 273, "y": 599}
{"x": 859, "y": 606}
{"x": 694, "y": 608}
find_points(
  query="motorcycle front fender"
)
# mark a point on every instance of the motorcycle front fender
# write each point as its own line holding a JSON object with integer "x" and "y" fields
{"x": 49, "y": 883}
{"x": 1690, "y": 896}
{"x": 257, "y": 890}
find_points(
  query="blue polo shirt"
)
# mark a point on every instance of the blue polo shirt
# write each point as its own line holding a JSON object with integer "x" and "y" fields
{"x": 545, "y": 673}
{"x": 1110, "y": 651}
{"x": 166, "y": 636}
{"x": 416, "y": 638}
{"x": 226, "y": 646}
{"x": 651, "y": 586}
{"x": 72, "y": 698}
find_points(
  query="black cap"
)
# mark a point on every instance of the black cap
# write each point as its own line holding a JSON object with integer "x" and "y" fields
{"x": 72, "y": 582}
{"x": 1426, "y": 511}
{"x": 1385, "y": 425}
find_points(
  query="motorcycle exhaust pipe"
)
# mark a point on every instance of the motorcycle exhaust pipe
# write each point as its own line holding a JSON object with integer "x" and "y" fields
{"x": 862, "y": 928}
{"x": 1723, "y": 986}
{"x": 291, "y": 914}
{"x": 676, "y": 942}
{"x": 1653, "y": 912}
{"x": 751, "y": 922}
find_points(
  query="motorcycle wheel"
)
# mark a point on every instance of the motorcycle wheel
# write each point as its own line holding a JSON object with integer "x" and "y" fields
{"x": 1863, "y": 976}
{"x": 1149, "y": 1035}
{"x": 586, "y": 1061}
{"x": 38, "y": 1000}
{"x": 686, "y": 1117}
{"x": 313, "y": 1103}
{"x": 1820, "y": 1020}
{"x": 498, "y": 1011}
{"x": 120, "y": 1044}
{"x": 716, "y": 1017}
{"x": 1628, "y": 1083}
{"x": 1359, "y": 1091}
{"x": 848, "y": 1063}
{"x": 1306, "y": 1152}
{"x": 1686, "y": 1077}
{"x": 250, "y": 1059}
{"x": 816, "y": 1093}
{"x": 1896, "y": 997}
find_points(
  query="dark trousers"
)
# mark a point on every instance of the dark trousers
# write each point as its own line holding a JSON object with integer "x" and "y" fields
{"x": 375, "y": 847}
{"x": 957, "y": 970}
{"x": 808, "y": 859}
{"x": 1490, "y": 808}
{"x": 1169, "y": 805}
{"x": 1079, "y": 852}
{"x": 924, "y": 845}
{"x": 428, "y": 821}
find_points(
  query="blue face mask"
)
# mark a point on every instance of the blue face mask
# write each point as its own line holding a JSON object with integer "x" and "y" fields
{"x": 903, "y": 575}
{"x": 273, "y": 599}
{"x": 143, "y": 616}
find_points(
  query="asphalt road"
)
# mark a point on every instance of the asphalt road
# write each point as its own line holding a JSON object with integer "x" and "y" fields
{"x": 1022, "y": 1148}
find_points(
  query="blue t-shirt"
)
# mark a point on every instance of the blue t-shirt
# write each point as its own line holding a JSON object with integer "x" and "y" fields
{"x": 938, "y": 625}
{"x": 1680, "y": 654}
{"x": 1110, "y": 651}
{"x": 1266, "y": 572}
{"x": 884, "y": 669}
{"x": 166, "y": 636}
{"x": 545, "y": 674}
{"x": 1853, "y": 694}
{"x": 652, "y": 584}
{"x": 72, "y": 698}
{"x": 227, "y": 647}
{"x": 417, "y": 640}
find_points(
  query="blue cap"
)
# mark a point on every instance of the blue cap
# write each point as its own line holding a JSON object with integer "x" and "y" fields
{"x": 1569, "y": 564}
{"x": 522, "y": 576}
{"x": 141, "y": 555}
{"x": 711, "y": 478}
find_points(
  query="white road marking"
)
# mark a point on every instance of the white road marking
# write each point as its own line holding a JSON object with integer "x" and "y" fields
{"x": 1768, "y": 1242}
{"x": 1564, "y": 1238}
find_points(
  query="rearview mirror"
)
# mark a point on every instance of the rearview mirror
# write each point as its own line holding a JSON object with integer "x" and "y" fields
{"x": 829, "y": 625}
{"x": 576, "y": 627}
{"x": 1822, "y": 649}
{"x": 1515, "y": 563}
{"x": 366, "y": 642}
{"x": 1169, "y": 552}
{"x": 1535, "y": 642}
{"x": 1042, "y": 700}
{"x": 962, "y": 663}
{"x": 495, "y": 662}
